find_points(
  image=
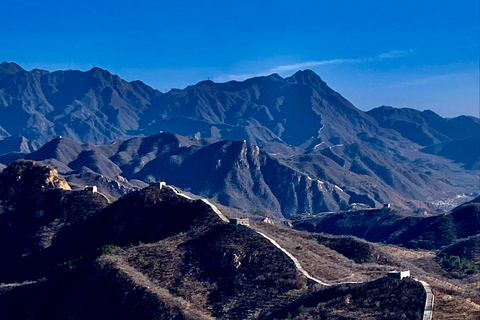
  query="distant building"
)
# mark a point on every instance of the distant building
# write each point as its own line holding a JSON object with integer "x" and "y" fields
{"x": 387, "y": 205}
{"x": 267, "y": 220}
{"x": 91, "y": 189}
{"x": 398, "y": 275}
{"x": 240, "y": 221}
{"x": 158, "y": 184}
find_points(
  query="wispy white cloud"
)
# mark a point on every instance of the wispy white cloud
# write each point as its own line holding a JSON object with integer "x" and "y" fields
{"x": 396, "y": 54}
{"x": 311, "y": 64}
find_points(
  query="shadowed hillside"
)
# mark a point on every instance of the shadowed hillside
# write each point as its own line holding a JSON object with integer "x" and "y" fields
{"x": 390, "y": 226}
{"x": 153, "y": 254}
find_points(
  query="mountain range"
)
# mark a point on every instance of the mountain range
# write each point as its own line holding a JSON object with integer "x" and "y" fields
{"x": 272, "y": 145}
{"x": 155, "y": 253}
{"x": 128, "y": 246}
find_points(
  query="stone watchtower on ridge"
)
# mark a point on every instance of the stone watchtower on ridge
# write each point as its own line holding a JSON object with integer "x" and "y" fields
{"x": 240, "y": 222}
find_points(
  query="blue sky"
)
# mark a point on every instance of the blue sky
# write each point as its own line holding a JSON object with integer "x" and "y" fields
{"x": 418, "y": 54}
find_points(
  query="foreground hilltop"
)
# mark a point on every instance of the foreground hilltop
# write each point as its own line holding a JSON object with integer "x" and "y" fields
{"x": 157, "y": 254}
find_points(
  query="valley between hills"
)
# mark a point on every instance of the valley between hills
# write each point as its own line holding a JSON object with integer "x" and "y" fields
{"x": 335, "y": 199}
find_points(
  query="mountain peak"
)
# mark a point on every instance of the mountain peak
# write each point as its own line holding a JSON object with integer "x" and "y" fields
{"x": 307, "y": 77}
{"x": 99, "y": 72}
{"x": 10, "y": 67}
{"x": 274, "y": 76}
{"x": 207, "y": 83}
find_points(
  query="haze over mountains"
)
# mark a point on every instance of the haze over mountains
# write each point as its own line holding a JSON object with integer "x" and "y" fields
{"x": 317, "y": 151}
{"x": 457, "y": 139}
{"x": 267, "y": 146}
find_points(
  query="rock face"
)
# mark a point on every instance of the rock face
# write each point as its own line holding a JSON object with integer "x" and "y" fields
{"x": 26, "y": 177}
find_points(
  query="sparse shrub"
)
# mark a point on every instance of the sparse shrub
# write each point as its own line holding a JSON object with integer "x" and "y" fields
{"x": 141, "y": 259}
{"x": 107, "y": 249}
{"x": 300, "y": 310}
{"x": 458, "y": 266}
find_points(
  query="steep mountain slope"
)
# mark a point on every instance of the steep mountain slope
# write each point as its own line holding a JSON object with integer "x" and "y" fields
{"x": 406, "y": 179}
{"x": 234, "y": 173}
{"x": 241, "y": 175}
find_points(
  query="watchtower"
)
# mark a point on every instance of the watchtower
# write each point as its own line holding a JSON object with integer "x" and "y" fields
{"x": 158, "y": 184}
{"x": 398, "y": 275}
{"x": 240, "y": 222}
{"x": 91, "y": 189}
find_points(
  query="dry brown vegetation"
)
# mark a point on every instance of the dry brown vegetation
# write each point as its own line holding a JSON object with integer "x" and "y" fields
{"x": 453, "y": 297}
{"x": 92, "y": 263}
{"x": 380, "y": 299}
{"x": 225, "y": 272}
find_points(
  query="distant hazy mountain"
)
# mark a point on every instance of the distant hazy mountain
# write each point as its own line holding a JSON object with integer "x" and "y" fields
{"x": 308, "y": 134}
{"x": 18, "y": 143}
{"x": 464, "y": 150}
{"x": 457, "y": 138}
{"x": 93, "y": 106}
{"x": 98, "y": 107}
